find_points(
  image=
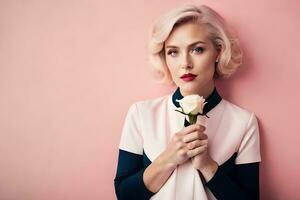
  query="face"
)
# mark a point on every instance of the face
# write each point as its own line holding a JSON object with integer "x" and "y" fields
{"x": 188, "y": 49}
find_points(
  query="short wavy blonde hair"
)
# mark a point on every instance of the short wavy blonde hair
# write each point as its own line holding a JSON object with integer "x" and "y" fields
{"x": 230, "y": 56}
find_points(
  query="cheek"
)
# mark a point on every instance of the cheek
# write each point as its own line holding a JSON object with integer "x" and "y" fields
{"x": 172, "y": 72}
{"x": 172, "y": 67}
{"x": 206, "y": 64}
{"x": 170, "y": 62}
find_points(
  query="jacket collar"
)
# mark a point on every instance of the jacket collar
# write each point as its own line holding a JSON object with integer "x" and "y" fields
{"x": 212, "y": 100}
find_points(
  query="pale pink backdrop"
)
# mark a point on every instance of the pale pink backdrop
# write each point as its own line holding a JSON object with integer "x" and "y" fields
{"x": 70, "y": 69}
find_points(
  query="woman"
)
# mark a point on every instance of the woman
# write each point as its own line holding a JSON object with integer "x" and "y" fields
{"x": 163, "y": 156}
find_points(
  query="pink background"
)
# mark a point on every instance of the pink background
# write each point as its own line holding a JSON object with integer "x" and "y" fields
{"x": 70, "y": 69}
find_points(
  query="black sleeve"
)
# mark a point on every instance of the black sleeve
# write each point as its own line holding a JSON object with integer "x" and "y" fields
{"x": 244, "y": 185}
{"x": 129, "y": 184}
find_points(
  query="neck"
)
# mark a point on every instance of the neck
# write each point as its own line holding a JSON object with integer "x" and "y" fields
{"x": 203, "y": 91}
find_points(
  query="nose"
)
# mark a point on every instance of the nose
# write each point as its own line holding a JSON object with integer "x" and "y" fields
{"x": 186, "y": 61}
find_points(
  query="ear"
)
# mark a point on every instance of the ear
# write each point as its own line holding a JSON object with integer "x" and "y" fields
{"x": 219, "y": 50}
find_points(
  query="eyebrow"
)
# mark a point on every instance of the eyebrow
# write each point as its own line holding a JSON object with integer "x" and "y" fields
{"x": 192, "y": 44}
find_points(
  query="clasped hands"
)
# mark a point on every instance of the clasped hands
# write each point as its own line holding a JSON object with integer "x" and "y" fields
{"x": 189, "y": 143}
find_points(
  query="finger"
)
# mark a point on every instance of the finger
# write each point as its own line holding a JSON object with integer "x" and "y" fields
{"x": 197, "y": 135}
{"x": 183, "y": 152}
{"x": 197, "y": 143}
{"x": 196, "y": 151}
{"x": 180, "y": 145}
{"x": 192, "y": 128}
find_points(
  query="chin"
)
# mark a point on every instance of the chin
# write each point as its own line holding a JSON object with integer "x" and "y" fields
{"x": 188, "y": 89}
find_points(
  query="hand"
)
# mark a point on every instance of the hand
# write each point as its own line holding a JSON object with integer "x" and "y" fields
{"x": 185, "y": 144}
{"x": 203, "y": 159}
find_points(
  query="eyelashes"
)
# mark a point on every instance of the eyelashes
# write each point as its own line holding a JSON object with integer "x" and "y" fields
{"x": 197, "y": 50}
{"x": 171, "y": 52}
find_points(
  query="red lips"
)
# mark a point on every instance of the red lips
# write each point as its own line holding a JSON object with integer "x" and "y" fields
{"x": 188, "y": 75}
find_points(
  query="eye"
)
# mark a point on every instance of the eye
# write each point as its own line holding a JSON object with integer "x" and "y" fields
{"x": 172, "y": 53}
{"x": 198, "y": 49}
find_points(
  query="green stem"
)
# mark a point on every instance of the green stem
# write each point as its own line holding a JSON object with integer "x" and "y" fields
{"x": 193, "y": 119}
{"x": 180, "y": 112}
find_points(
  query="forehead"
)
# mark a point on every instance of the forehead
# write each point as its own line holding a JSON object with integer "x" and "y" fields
{"x": 187, "y": 33}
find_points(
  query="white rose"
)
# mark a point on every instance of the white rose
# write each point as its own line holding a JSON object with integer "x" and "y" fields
{"x": 192, "y": 104}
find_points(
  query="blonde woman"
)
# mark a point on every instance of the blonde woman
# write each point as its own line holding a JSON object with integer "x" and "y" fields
{"x": 161, "y": 155}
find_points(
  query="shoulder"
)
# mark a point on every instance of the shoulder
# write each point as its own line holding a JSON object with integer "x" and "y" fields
{"x": 244, "y": 124}
{"x": 237, "y": 113}
{"x": 151, "y": 104}
{"x": 142, "y": 110}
